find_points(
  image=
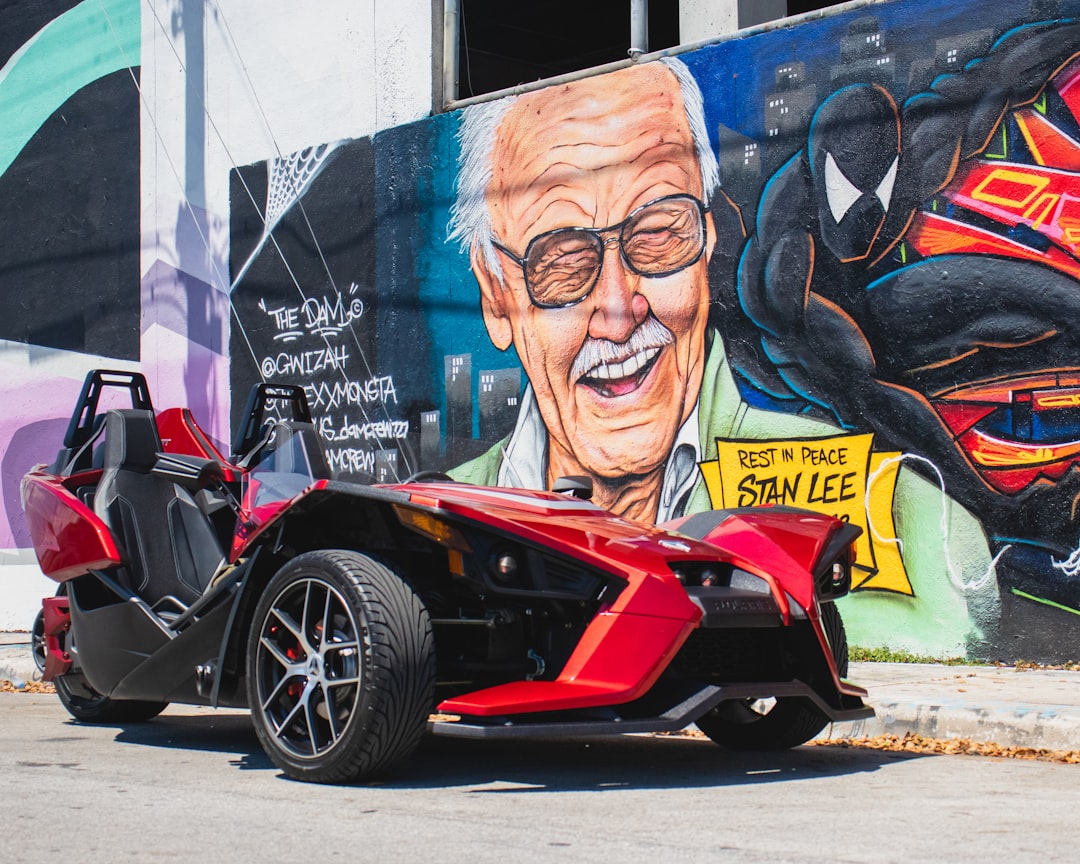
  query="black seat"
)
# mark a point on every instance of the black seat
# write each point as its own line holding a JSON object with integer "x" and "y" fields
{"x": 168, "y": 544}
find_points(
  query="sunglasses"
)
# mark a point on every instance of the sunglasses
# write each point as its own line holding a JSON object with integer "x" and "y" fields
{"x": 562, "y": 267}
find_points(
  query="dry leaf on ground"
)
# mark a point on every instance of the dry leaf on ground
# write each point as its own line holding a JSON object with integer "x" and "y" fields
{"x": 29, "y": 687}
{"x": 911, "y": 743}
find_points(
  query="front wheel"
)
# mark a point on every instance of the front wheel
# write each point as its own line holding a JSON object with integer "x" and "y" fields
{"x": 341, "y": 667}
{"x": 776, "y": 724}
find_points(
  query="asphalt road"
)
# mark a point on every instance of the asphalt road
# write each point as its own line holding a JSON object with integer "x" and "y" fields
{"x": 194, "y": 785}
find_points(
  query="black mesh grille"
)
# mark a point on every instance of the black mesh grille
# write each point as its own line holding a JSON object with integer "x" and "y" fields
{"x": 731, "y": 655}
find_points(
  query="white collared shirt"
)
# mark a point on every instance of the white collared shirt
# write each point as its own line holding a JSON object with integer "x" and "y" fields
{"x": 524, "y": 458}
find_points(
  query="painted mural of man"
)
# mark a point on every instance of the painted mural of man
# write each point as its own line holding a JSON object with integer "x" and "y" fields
{"x": 591, "y": 213}
{"x": 590, "y": 216}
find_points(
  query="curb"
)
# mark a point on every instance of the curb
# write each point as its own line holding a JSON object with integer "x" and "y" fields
{"x": 1045, "y": 727}
{"x": 1002, "y": 705}
{"x": 16, "y": 662}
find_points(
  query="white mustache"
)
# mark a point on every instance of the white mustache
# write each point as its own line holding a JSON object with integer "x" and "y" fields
{"x": 606, "y": 360}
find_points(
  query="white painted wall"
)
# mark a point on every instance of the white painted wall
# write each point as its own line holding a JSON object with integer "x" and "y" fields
{"x": 273, "y": 76}
{"x": 227, "y": 83}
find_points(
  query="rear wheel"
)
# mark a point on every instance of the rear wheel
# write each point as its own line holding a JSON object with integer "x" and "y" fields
{"x": 341, "y": 667}
{"x": 86, "y": 705}
{"x": 776, "y": 724}
{"x": 38, "y": 646}
{"x": 82, "y": 701}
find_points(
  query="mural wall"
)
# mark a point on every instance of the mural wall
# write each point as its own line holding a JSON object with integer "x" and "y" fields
{"x": 69, "y": 229}
{"x": 831, "y": 266}
{"x": 83, "y": 283}
{"x": 120, "y": 121}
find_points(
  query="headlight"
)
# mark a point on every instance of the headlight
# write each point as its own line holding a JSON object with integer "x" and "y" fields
{"x": 503, "y": 568}
{"x": 706, "y": 574}
{"x": 834, "y": 580}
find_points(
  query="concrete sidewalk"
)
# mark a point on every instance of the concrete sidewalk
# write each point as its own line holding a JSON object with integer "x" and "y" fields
{"x": 988, "y": 704}
{"x": 1002, "y": 705}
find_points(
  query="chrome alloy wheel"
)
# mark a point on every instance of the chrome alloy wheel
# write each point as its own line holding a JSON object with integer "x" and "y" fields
{"x": 308, "y": 667}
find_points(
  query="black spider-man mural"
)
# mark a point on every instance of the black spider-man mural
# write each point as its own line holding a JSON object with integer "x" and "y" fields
{"x": 838, "y": 323}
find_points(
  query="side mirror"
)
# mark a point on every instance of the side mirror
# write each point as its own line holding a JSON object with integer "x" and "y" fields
{"x": 576, "y": 486}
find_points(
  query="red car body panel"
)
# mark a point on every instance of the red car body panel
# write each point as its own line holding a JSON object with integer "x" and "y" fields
{"x": 617, "y": 661}
{"x": 69, "y": 538}
{"x": 623, "y": 649}
{"x": 775, "y": 546}
{"x": 180, "y": 434}
{"x": 56, "y": 622}
{"x": 260, "y": 519}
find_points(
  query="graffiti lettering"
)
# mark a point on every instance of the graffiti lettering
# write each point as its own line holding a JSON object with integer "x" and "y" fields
{"x": 328, "y": 316}
{"x": 760, "y": 458}
{"x": 305, "y": 363}
{"x": 823, "y": 489}
{"x": 824, "y": 455}
{"x": 351, "y": 460}
{"x": 330, "y": 395}
{"x": 754, "y": 490}
{"x": 286, "y": 320}
{"x": 347, "y": 430}
{"x": 834, "y": 488}
{"x": 321, "y": 316}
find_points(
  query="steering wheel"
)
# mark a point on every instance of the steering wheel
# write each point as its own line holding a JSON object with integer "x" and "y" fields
{"x": 429, "y": 477}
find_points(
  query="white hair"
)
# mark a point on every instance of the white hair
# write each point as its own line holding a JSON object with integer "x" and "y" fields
{"x": 470, "y": 220}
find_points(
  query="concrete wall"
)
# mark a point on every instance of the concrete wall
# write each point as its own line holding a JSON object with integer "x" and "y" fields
{"x": 881, "y": 322}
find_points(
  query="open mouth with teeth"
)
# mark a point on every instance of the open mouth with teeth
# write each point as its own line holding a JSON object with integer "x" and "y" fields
{"x": 618, "y": 379}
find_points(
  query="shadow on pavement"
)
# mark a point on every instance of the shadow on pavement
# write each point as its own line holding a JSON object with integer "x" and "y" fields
{"x": 210, "y": 732}
{"x": 542, "y": 765}
{"x": 627, "y": 762}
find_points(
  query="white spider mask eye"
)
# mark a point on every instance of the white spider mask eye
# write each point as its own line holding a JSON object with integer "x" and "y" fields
{"x": 842, "y": 194}
{"x": 885, "y": 187}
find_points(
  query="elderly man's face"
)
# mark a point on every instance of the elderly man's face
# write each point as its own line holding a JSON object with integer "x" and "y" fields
{"x": 616, "y": 373}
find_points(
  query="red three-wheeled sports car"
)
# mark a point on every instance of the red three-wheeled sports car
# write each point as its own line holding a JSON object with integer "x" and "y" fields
{"x": 351, "y": 619}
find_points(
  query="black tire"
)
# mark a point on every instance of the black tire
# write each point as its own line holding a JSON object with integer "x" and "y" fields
{"x": 833, "y": 625}
{"x": 340, "y": 668}
{"x": 86, "y": 705}
{"x": 38, "y": 646}
{"x": 784, "y": 722}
